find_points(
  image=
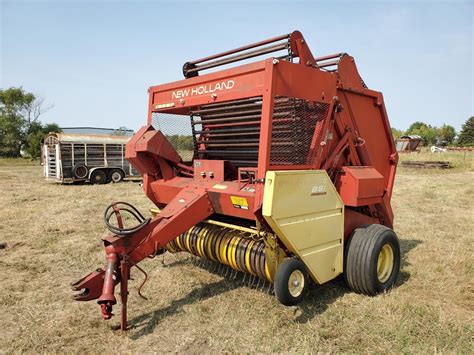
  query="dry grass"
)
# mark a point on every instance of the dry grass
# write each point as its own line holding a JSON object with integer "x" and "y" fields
{"x": 460, "y": 161}
{"x": 52, "y": 234}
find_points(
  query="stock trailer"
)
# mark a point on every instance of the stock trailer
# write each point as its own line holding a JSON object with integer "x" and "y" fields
{"x": 291, "y": 176}
{"x": 98, "y": 159}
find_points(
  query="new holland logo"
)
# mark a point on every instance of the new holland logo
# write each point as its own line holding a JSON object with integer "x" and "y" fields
{"x": 203, "y": 89}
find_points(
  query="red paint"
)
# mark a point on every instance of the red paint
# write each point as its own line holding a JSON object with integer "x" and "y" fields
{"x": 353, "y": 142}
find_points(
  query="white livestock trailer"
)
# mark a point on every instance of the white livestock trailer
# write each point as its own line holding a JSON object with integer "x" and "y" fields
{"x": 98, "y": 159}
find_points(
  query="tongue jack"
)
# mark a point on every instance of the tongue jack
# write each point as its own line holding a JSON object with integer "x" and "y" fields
{"x": 107, "y": 298}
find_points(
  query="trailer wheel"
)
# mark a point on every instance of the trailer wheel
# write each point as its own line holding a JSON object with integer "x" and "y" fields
{"x": 116, "y": 175}
{"x": 80, "y": 171}
{"x": 98, "y": 177}
{"x": 291, "y": 279}
{"x": 372, "y": 260}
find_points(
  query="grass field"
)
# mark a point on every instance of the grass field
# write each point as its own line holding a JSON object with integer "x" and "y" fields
{"x": 53, "y": 238}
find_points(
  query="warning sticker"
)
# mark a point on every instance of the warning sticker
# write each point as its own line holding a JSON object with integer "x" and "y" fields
{"x": 239, "y": 202}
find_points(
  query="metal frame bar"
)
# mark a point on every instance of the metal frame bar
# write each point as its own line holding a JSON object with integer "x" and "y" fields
{"x": 243, "y": 48}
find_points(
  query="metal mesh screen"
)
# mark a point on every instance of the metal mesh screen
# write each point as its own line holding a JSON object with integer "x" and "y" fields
{"x": 295, "y": 125}
{"x": 229, "y": 131}
{"x": 178, "y": 130}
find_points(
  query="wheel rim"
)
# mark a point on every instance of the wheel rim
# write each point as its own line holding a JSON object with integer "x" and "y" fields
{"x": 116, "y": 177}
{"x": 81, "y": 172}
{"x": 385, "y": 263}
{"x": 98, "y": 178}
{"x": 296, "y": 283}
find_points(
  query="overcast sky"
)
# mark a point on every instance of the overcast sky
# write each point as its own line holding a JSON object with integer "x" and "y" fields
{"x": 94, "y": 60}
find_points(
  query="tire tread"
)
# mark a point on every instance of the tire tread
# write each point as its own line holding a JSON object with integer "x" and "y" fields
{"x": 361, "y": 257}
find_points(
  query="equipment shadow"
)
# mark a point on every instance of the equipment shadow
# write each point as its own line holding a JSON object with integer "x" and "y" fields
{"x": 320, "y": 297}
{"x": 406, "y": 245}
{"x": 316, "y": 301}
{"x": 146, "y": 323}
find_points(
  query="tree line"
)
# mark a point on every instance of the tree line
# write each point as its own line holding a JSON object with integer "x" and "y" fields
{"x": 442, "y": 136}
{"x": 20, "y": 127}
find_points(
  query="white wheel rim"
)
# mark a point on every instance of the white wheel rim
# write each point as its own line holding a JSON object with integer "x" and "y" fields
{"x": 296, "y": 283}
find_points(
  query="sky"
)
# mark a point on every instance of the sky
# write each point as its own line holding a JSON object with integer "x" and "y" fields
{"x": 93, "y": 61}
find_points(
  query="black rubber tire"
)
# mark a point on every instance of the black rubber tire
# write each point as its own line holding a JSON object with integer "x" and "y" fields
{"x": 362, "y": 253}
{"x": 282, "y": 276}
{"x": 116, "y": 175}
{"x": 98, "y": 177}
{"x": 80, "y": 171}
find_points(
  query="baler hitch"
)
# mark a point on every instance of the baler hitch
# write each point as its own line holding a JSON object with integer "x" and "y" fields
{"x": 128, "y": 246}
{"x": 90, "y": 285}
{"x": 100, "y": 284}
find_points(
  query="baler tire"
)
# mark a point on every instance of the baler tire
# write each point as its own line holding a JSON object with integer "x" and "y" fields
{"x": 98, "y": 177}
{"x": 285, "y": 271}
{"x": 362, "y": 270}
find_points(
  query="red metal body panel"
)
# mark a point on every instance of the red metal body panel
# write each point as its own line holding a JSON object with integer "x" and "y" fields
{"x": 231, "y": 84}
{"x": 304, "y": 82}
{"x": 209, "y": 170}
{"x": 360, "y": 186}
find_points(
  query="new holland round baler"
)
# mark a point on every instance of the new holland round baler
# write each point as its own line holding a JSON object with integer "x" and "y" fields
{"x": 291, "y": 176}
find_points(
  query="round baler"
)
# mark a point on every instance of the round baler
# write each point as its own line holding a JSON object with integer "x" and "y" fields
{"x": 284, "y": 171}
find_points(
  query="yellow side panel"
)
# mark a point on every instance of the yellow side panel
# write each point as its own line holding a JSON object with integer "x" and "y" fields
{"x": 305, "y": 211}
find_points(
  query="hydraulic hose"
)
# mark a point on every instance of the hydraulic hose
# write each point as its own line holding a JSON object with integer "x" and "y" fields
{"x": 115, "y": 208}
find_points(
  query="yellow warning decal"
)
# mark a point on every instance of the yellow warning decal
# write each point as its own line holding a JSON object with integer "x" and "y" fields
{"x": 239, "y": 202}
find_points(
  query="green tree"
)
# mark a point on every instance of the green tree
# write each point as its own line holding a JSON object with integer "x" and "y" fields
{"x": 446, "y": 134}
{"x": 466, "y": 137}
{"x": 14, "y": 107}
{"x": 396, "y": 133}
{"x": 51, "y": 127}
{"x": 11, "y": 135}
{"x": 415, "y": 126}
{"x": 425, "y": 131}
{"x": 36, "y": 135}
{"x": 19, "y": 115}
